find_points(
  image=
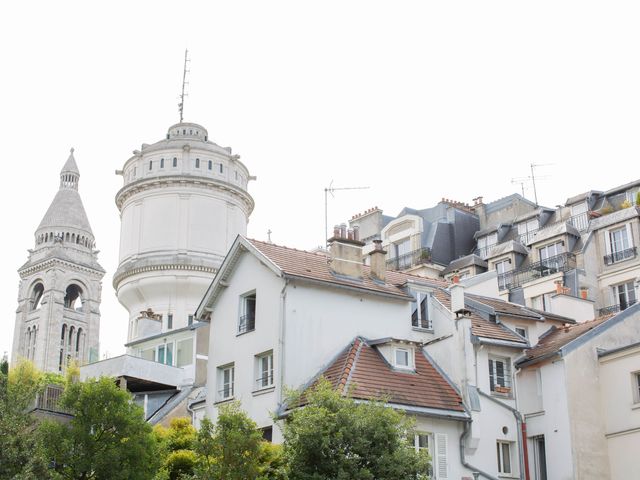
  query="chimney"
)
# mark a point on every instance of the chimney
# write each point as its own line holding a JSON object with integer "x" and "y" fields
{"x": 345, "y": 252}
{"x": 378, "y": 261}
{"x": 457, "y": 299}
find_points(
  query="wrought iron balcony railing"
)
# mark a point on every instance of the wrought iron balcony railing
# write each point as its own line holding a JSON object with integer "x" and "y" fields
{"x": 615, "y": 308}
{"x": 411, "y": 259}
{"x": 247, "y": 322}
{"x": 543, "y": 268}
{"x": 580, "y": 222}
{"x": 620, "y": 255}
{"x": 50, "y": 399}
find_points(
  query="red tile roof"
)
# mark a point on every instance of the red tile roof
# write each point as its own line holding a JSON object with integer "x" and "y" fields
{"x": 556, "y": 338}
{"x": 314, "y": 266}
{"x": 362, "y": 371}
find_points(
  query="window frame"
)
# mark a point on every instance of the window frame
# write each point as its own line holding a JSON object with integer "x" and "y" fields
{"x": 246, "y": 313}
{"x": 635, "y": 386}
{"x": 629, "y": 291}
{"x": 406, "y": 350}
{"x": 226, "y": 389}
{"x": 422, "y": 309}
{"x": 501, "y": 444}
{"x": 263, "y": 382}
{"x": 505, "y": 389}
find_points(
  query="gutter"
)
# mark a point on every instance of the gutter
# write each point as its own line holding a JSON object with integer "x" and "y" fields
{"x": 281, "y": 333}
{"x": 475, "y": 471}
{"x": 521, "y": 429}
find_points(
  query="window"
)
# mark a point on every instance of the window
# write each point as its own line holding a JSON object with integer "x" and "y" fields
{"x": 503, "y": 268}
{"x": 624, "y": 295}
{"x": 527, "y": 230}
{"x": 424, "y": 442}
{"x": 197, "y": 163}
{"x": 221, "y": 168}
{"x": 550, "y": 258}
{"x": 190, "y": 320}
{"x": 550, "y": 251}
{"x": 618, "y": 245}
{"x": 399, "y": 251}
{"x": 636, "y": 387}
{"x": 504, "y": 457}
{"x": 169, "y": 321}
{"x": 247, "y": 320}
{"x": 539, "y": 458}
{"x": 542, "y": 302}
{"x": 210, "y": 165}
{"x": 420, "y": 317}
{"x": 162, "y": 163}
{"x": 401, "y": 358}
{"x": 36, "y": 296}
{"x": 264, "y": 370}
{"x": 631, "y": 196}
{"x": 135, "y": 171}
{"x": 73, "y": 296}
{"x": 165, "y": 354}
{"x": 499, "y": 376}
{"x": 267, "y": 434}
{"x": 521, "y": 331}
{"x": 486, "y": 243}
{"x": 175, "y": 162}
{"x": 184, "y": 355}
{"x": 226, "y": 377}
{"x": 150, "y": 164}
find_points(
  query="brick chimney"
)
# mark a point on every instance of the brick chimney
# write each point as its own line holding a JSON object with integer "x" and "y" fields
{"x": 345, "y": 249}
{"x": 378, "y": 261}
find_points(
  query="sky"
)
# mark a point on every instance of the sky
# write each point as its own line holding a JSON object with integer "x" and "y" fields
{"x": 415, "y": 100}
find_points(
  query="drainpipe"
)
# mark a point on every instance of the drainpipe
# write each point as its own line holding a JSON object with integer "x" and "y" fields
{"x": 521, "y": 455}
{"x": 281, "y": 333}
{"x": 475, "y": 471}
{"x": 523, "y": 428}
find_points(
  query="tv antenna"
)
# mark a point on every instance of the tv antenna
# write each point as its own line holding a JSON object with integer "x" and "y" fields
{"x": 330, "y": 189}
{"x": 184, "y": 82}
{"x": 531, "y": 178}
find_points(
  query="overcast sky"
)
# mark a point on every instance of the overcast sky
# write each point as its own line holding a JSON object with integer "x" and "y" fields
{"x": 416, "y": 100}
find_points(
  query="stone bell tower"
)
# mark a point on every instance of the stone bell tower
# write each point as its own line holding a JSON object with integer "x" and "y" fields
{"x": 58, "y": 316}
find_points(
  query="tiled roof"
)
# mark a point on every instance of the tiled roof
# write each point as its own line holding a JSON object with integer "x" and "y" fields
{"x": 314, "y": 266}
{"x": 556, "y": 338}
{"x": 481, "y": 327}
{"x": 363, "y": 372}
{"x": 502, "y": 307}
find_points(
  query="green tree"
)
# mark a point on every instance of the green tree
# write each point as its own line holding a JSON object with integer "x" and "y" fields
{"x": 107, "y": 438}
{"x": 19, "y": 454}
{"x": 176, "y": 447}
{"x": 229, "y": 449}
{"x": 333, "y": 437}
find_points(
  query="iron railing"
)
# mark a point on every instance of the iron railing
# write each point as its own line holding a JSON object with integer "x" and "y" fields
{"x": 411, "y": 259}
{"x": 615, "y": 308}
{"x": 226, "y": 393}
{"x": 620, "y": 256}
{"x": 580, "y": 222}
{"x": 264, "y": 381}
{"x": 483, "y": 252}
{"x": 50, "y": 399}
{"x": 548, "y": 266}
{"x": 247, "y": 322}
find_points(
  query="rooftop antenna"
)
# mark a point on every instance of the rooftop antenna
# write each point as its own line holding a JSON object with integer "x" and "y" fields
{"x": 330, "y": 189}
{"x": 521, "y": 181}
{"x": 533, "y": 177}
{"x": 184, "y": 82}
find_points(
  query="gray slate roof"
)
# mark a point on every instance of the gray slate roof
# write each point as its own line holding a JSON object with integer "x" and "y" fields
{"x": 66, "y": 210}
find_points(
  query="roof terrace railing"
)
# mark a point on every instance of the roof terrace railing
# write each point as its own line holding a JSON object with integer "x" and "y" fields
{"x": 411, "y": 259}
{"x": 50, "y": 399}
{"x": 558, "y": 263}
{"x": 615, "y": 308}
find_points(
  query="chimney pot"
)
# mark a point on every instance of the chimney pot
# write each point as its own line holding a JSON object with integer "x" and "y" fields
{"x": 343, "y": 230}
{"x": 378, "y": 261}
{"x": 356, "y": 233}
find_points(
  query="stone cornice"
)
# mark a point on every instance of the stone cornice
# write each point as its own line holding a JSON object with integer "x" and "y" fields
{"x": 181, "y": 181}
{"x": 26, "y": 271}
{"x": 120, "y": 275}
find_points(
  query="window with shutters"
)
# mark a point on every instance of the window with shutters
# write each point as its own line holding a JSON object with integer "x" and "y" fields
{"x": 423, "y": 442}
{"x": 441, "y": 453}
{"x": 500, "y": 376}
{"x": 619, "y": 245}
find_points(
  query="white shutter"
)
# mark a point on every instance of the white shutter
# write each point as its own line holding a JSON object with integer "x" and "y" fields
{"x": 629, "y": 236}
{"x": 607, "y": 242}
{"x": 441, "y": 456}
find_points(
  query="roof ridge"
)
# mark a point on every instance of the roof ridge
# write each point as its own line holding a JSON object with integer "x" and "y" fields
{"x": 349, "y": 364}
{"x": 361, "y": 343}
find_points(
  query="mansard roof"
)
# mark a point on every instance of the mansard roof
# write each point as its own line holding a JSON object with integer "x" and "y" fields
{"x": 362, "y": 372}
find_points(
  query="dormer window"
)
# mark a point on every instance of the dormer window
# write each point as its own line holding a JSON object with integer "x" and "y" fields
{"x": 402, "y": 358}
{"x": 420, "y": 317}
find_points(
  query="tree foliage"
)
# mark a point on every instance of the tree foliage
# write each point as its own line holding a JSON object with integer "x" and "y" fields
{"x": 176, "y": 447}
{"x": 19, "y": 456}
{"x": 229, "y": 449}
{"x": 333, "y": 437}
{"x": 107, "y": 438}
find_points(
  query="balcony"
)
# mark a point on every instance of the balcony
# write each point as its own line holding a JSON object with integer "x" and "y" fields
{"x": 619, "y": 256}
{"x": 580, "y": 222}
{"x": 411, "y": 259}
{"x": 247, "y": 323}
{"x": 615, "y": 308}
{"x": 559, "y": 263}
{"x": 50, "y": 400}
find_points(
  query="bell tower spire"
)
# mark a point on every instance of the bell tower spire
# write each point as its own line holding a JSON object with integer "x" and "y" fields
{"x": 70, "y": 175}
